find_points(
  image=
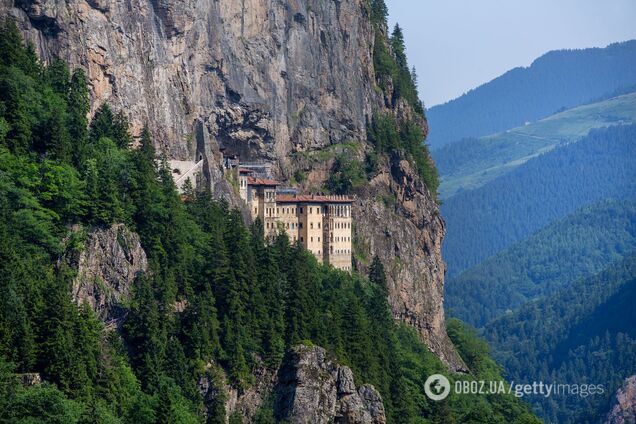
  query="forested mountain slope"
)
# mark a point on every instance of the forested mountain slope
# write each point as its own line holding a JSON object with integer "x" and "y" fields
{"x": 555, "y": 81}
{"x": 487, "y": 220}
{"x": 585, "y": 333}
{"x": 211, "y": 312}
{"x": 577, "y": 246}
{"x": 290, "y": 84}
{"x": 470, "y": 163}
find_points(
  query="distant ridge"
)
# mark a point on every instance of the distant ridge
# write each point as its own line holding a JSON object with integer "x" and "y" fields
{"x": 558, "y": 79}
{"x": 487, "y": 220}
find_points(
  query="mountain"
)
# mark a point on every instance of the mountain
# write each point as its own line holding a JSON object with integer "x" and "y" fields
{"x": 487, "y": 220}
{"x": 577, "y": 246}
{"x": 472, "y": 162}
{"x": 585, "y": 333}
{"x": 123, "y": 299}
{"x": 555, "y": 81}
{"x": 294, "y": 85}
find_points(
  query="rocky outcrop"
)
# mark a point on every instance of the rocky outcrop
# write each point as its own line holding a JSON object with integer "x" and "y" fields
{"x": 405, "y": 230}
{"x": 107, "y": 267}
{"x": 624, "y": 408}
{"x": 268, "y": 80}
{"x": 308, "y": 388}
{"x": 314, "y": 389}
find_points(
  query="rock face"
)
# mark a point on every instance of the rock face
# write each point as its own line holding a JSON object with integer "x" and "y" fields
{"x": 314, "y": 389}
{"x": 406, "y": 232}
{"x": 107, "y": 267}
{"x": 270, "y": 81}
{"x": 308, "y": 388}
{"x": 624, "y": 409}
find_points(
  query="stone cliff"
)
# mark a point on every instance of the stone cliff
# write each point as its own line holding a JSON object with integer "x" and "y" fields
{"x": 107, "y": 265}
{"x": 268, "y": 80}
{"x": 624, "y": 405}
{"x": 308, "y": 388}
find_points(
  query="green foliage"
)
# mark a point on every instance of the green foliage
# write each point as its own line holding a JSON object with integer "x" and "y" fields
{"x": 397, "y": 82}
{"x": 379, "y": 12}
{"x": 346, "y": 175}
{"x": 106, "y": 124}
{"x": 473, "y": 162}
{"x": 216, "y": 303}
{"x": 577, "y": 246}
{"x": 584, "y": 333}
{"x": 387, "y": 135}
{"x": 487, "y": 220}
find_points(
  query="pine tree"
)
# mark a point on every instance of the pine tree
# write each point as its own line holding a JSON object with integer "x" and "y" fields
{"x": 58, "y": 77}
{"x": 57, "y": 141}
{"x": 145, "y": 335}
{"x": 398, "y": 47}
{"x": 78, "y": 108}
{"x": 60, "y": 356}
{"x": 10, "y": 43}
{"x": 120, "y": 134}
{"x": 300, "y": 308}
{"x": 379, "y": 12}
{"x": 102, "y": 124}
{"x": 268, "y": 307}
{"x": 201, "y": 326}
{"x": 414, "y": 77}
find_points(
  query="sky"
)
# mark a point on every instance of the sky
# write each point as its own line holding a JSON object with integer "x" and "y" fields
{"x": 456, "y": 45}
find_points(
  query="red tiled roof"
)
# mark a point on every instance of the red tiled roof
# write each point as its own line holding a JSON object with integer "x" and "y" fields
{"x": 287, "y": 198}
{"x": 261, "y": 181}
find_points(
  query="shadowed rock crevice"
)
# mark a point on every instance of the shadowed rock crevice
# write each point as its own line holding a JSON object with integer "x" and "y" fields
{"x": 269, "y": 80}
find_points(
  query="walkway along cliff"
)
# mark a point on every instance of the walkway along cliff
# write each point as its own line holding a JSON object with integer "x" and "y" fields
{"x": 292, "y": 83}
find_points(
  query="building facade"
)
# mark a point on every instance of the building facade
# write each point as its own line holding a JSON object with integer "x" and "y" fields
{"x": 322, "y": 224}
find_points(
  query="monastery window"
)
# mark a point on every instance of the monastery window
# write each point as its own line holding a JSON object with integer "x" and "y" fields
{"x": 300, "y": 225}
{"x": 277, "y": 212}
{"x": 318, "y": 238}
{"x": 311, "y": 239}
{"x": 319, "y": 225}
{"x": 311, "y": 225}
{"x": 255, "y": 210}
{"x": 293, "y": 228}
{"x": 302, "y": 239}
{"x": 288, "y": 225}
{"x": 301, "y": 209}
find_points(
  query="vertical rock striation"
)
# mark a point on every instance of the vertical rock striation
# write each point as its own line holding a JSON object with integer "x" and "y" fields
{"x": 268, "y": 80}
{"x": 106, "y": 270}
{"x": 314, "y": 389}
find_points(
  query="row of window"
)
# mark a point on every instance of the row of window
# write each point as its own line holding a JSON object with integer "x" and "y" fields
{"x": 338, "y": 239}
{"x": 339, "y": 251}
{"x": 318, "y": 209}
{"x": 340, "y": 225}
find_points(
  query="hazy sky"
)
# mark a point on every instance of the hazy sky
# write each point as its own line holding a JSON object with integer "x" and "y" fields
{"x": 457, "y": 45}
